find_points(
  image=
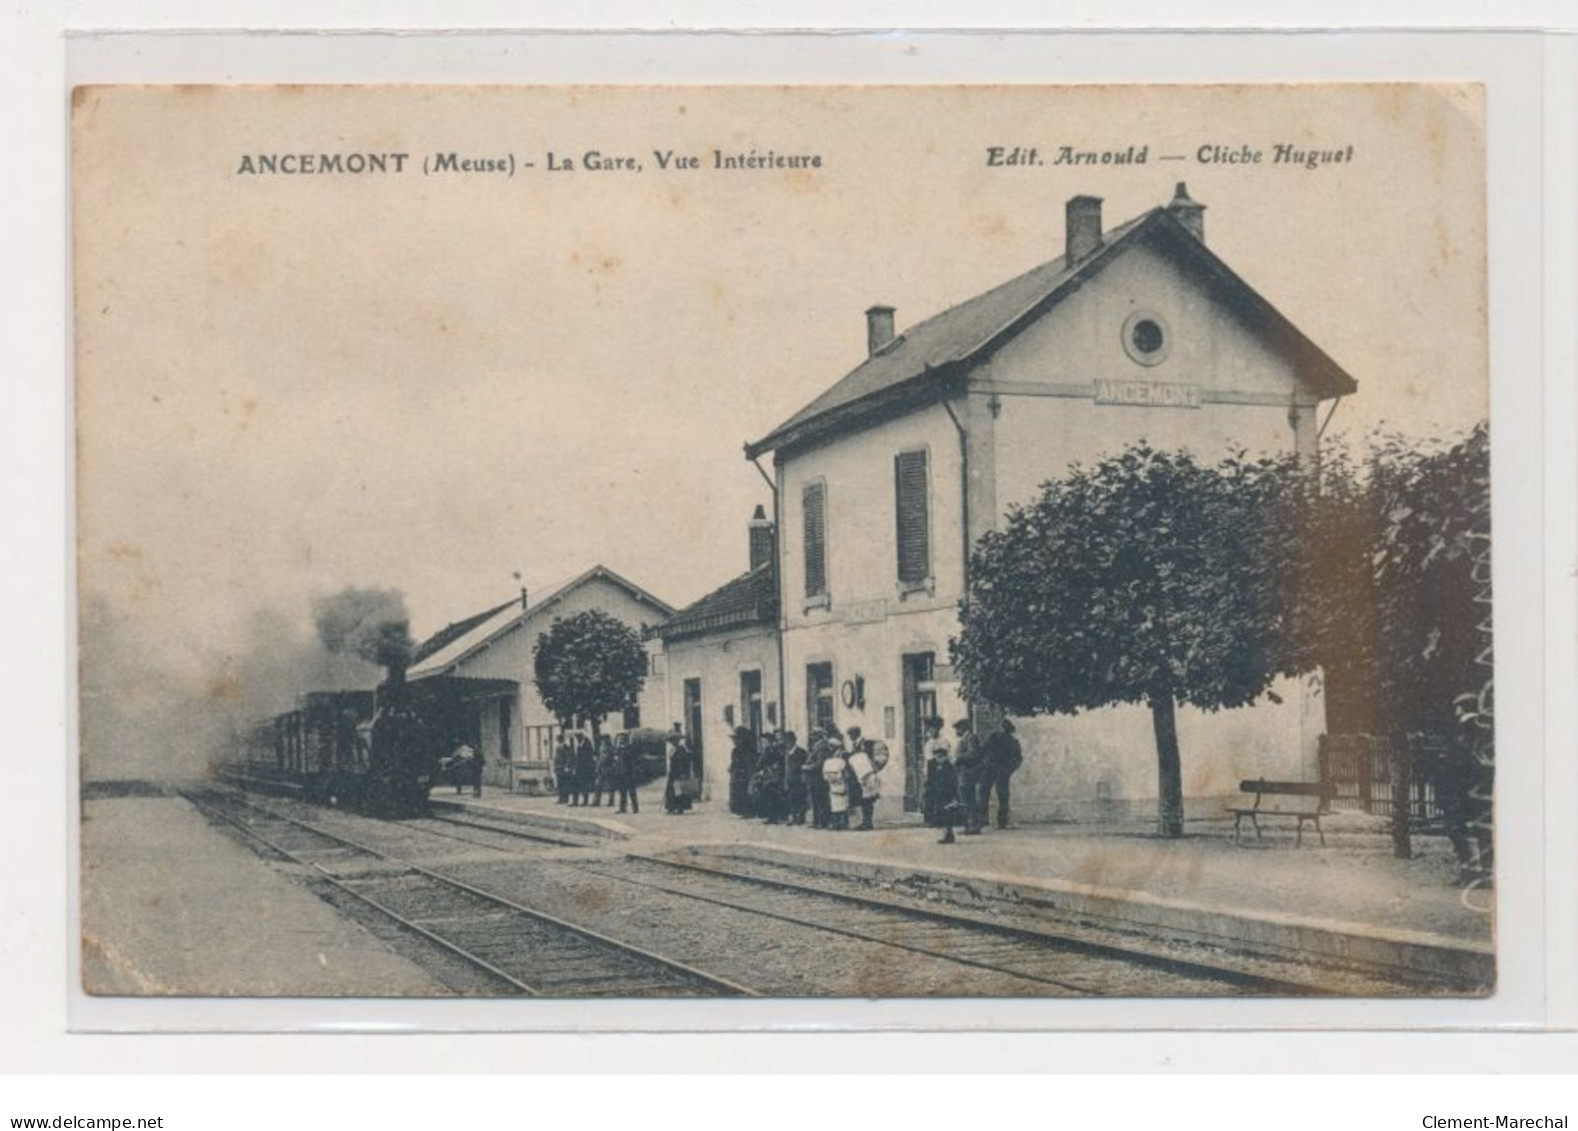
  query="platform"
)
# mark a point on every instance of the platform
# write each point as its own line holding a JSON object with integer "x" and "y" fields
{"x": 163, "y": 914}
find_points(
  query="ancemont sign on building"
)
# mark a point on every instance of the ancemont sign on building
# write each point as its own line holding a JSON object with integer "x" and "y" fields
{"x": 1153, "y": 394}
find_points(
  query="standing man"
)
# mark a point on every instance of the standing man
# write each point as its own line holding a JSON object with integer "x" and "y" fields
{"x": 463, "y": 768}
{"x": 585, "y": 771}
{"x": 563, "y": 769}
{"x": 603, "y": 772}
{"x": 626, "y": 760}
{"x": 797, "y": 795}
{"x": 1003, "y": 757}
{"x": 970, "y": 763}
{"x": 770, "y": 773}
{"x": 816, "y": 785}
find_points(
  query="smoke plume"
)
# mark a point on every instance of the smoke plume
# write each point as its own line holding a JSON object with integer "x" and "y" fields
{"x": 370, "y": 623}
{"x": 158, "y": 705}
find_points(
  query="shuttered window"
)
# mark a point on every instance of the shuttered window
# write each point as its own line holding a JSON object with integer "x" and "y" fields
{"x": 914, "y": 537}
{"x": 814, "y": 503}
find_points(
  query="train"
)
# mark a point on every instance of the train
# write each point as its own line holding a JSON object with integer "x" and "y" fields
{"x": 378, "y": 752}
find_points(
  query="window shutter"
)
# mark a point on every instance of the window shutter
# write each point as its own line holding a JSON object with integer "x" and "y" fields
{"x": 914, "y": 541}
{"x": 815, "y": 505}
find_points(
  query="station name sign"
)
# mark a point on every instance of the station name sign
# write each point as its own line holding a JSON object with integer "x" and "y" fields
{"x": 1148, "y": 394}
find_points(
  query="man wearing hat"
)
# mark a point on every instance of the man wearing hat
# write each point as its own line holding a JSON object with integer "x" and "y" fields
{"x": 816, "y": 785}
{"x": 1003, "y": 757}
{"x": 971, "y": 766}
{"x": 797, "y": 791}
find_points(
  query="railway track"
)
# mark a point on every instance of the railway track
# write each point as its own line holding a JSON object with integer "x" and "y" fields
{"x": 509, "y": 832}
{"x": 1072, "y": 965}
{"x": 525, "y": 950}
{"x": 1113, "y": 960}
{"x": 967, "y": 953}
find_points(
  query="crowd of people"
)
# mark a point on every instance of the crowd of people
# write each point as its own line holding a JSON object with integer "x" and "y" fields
{"x": 829, "y": 782}
{"x": 837, "y": 775}
{"x": 960, "y": 780}
{"x": 825, "y": 783}
{"x": 587, "y": 771}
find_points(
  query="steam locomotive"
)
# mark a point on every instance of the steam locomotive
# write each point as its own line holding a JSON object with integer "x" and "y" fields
{"x": 374, "y": 751}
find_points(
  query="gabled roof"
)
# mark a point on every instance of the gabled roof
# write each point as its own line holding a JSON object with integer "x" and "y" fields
{"x": 450, "y": 633}
{"x": 928, "y": 357}
{"x": 449, "y": 646}
{"x": 748, "y": 599}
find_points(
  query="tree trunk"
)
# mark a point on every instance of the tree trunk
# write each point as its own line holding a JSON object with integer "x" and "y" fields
{"x": 1402, "y": 781}
{"x": 1169, "y": 771}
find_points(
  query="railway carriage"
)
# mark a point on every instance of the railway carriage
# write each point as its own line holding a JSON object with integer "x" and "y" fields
{"x": 373, "y": 751}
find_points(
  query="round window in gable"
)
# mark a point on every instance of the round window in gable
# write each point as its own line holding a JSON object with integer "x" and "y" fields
{"x": 1145, "y": 337}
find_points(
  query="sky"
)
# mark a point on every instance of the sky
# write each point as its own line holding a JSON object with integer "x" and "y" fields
{"x": 290, "y": 385}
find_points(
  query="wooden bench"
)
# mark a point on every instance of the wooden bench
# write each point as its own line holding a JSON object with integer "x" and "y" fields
{"x": 530, "y": 777}
{"x": 1301, "y": 800}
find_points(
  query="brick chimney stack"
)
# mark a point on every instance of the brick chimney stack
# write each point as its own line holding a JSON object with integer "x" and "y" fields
{"x": 1082, "y": 227}
{"x": 879, "y": 329}
{"x": 1187, "y": 212}
{"x": 761, "y": 538}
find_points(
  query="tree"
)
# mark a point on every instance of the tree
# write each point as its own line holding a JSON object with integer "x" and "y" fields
{"x": 1146, "y": 578}
{"x": 1394, "y": 579}
{"x": 587, "y": 666}
{"x": 1381, "y": 550}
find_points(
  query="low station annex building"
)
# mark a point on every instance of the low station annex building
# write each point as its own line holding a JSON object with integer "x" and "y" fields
{"x": 492, "y": 653}
{"x": 884, "y": 482}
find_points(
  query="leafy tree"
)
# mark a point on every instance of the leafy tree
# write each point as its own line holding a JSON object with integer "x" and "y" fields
{"x": 587, "y": 666}
{"x": 1148, "y": 578}
{"x": 1381, "y": 553}
{"x": 1394, "y": 581}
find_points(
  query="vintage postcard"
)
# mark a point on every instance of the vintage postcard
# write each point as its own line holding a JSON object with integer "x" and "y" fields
{"x": 784, "y": 542}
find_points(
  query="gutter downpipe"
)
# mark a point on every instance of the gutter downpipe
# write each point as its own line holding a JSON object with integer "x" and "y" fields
{"x": 964, "y": 496}
{"x": 964, "y": 511}
{"x": 781, "y": 619}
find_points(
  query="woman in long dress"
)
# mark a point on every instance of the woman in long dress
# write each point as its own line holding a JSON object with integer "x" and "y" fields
{"x": 676, "y": 796}
{"x": 742, "y": 763}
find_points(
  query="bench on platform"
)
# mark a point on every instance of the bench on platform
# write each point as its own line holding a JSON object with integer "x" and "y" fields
{"x": 1301, "y": 800}
{"x": 530, "y": 777}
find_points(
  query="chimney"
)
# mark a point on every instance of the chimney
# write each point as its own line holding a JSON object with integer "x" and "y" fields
{"x": 879, "y": 329}
{"x": 1187, "y": 212}
{"x": 524, "y": 602}
{"x": 761, "y": 532}
{"x": 1082, "y": 227}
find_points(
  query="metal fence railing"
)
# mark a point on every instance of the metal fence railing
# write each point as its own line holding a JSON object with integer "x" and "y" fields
{"x": 1371, "y": 773}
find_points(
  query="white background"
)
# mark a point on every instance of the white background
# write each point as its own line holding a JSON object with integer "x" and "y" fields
{"x": 1534, "y": 421}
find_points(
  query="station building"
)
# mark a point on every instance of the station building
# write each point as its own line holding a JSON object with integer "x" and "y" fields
{"x": 492, "y": 654}
{"x": 717, "y": 660}
{"x": 886, "y": 481}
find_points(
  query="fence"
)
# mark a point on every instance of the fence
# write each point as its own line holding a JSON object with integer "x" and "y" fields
{"x": 532, "y": 771}
{"x": 1366, "y": 773}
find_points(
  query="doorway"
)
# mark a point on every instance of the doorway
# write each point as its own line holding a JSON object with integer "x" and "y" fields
{"x": 751, "y": 701}
{"x": 920, "y": 704}
{"x": 693, "y": 720}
